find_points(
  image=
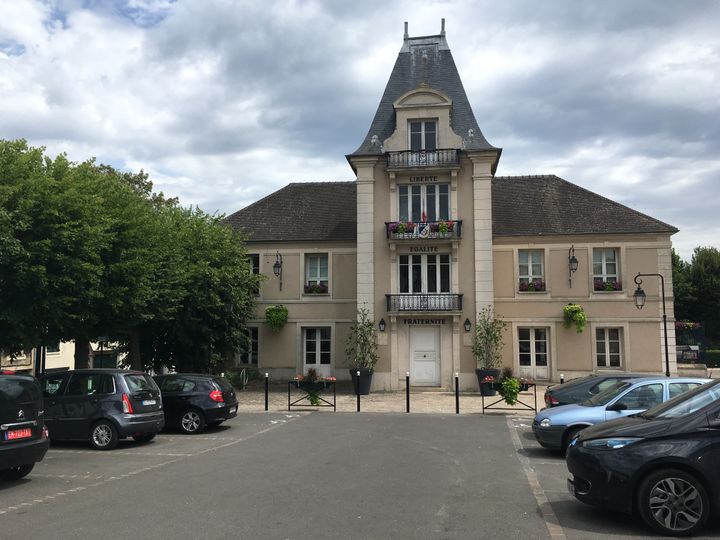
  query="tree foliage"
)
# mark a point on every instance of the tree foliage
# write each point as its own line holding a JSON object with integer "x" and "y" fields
{"x": 87, "y": 251}
{"x": 696, "y": 287}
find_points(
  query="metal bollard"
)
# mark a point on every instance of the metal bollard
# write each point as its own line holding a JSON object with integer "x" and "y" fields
{"x": 562, "y": 378}
{"x": 358, "y": 391}
{"x": 266, "y": 391}
{"x": 407, "y": 391}
{"x": 457, "y": 394}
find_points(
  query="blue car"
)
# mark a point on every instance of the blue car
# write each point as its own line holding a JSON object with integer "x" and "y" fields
{"x": 555, "y": 427}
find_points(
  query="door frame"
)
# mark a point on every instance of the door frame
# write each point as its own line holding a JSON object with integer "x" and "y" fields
{"x": 435, "y": 329}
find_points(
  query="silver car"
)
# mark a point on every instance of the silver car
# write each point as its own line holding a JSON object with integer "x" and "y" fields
{"x": 555, "y": 427}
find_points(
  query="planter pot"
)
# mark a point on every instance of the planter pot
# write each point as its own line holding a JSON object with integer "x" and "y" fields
{"x": 365, "y": 380}
{"x": 487, "y": 389}
{"x": 309, "y": 386}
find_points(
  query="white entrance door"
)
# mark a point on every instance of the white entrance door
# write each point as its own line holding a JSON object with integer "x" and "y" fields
{"x": 425, "y": 356}
{"x": 534, "y": 357}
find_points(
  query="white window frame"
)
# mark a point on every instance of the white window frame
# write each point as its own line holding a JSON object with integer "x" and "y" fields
{"x": 604, "y": 275}
{"x": 606, "y": 352}
{"x": 529, "y": 275}
{"x": 533, "y": 353}
{"x": 318, "y": 345}
{"x": 255, "y": 269}
{"x": 314, "y": 276}
{"x": 55, "y": 349}
{"x": 423, "y": 133}
{"x": 441, "y": 213}
{"x": 424, "y": 269}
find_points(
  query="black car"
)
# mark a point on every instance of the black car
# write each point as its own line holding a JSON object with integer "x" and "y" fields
{"x": 193, "y": 401}
{"x": 663, "y": 464}
{"x": 583, "y": 388}
{"x": 102, "y": 406}
{"x": 23, "y": 437}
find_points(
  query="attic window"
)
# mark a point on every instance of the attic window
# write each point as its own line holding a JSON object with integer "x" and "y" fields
{"x": 423, "y": 135}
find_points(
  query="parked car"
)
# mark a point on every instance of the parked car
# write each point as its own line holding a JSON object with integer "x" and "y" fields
{"x": 193, "y": 401}
{"x": 662, "y": 464}
{"x": 23, "y": 437}
{"x": 553, "y": 428}
{"x": 102, "y": 406}
{"x": 583, "y": 388}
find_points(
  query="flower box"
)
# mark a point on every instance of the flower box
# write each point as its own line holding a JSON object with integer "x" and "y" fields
{"x": 606, "y": 286}
{"x": 536, "y": 285}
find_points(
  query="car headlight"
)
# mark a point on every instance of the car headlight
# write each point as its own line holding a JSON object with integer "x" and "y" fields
{"x": 545, "y": 422}
{"x": 611, "y": 443}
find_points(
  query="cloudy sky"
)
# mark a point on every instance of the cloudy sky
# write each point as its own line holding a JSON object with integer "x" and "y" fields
{"x": 225, "y": 101}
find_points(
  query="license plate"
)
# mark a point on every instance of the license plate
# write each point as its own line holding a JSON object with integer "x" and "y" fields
{"x": 234, "y": 409}
{"x": 571, "y": 487}
{"x": 149, "y": 402}
{"x": 18, "y": 434}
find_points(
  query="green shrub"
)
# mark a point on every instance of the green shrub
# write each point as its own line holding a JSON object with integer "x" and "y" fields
{"x": 276, "y": 317}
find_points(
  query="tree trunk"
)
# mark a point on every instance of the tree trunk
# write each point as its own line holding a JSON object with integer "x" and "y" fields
{"x": 82, "y": 353}
{"x": 134, "y": 352}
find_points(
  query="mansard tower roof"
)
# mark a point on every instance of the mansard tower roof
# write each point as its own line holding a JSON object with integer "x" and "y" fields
{"x": 424, "y": 61}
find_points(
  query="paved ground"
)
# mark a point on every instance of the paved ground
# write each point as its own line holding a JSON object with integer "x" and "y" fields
{"x": 298, "y": 475}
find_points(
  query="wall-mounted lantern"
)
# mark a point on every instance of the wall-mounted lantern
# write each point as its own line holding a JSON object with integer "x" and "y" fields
{"x": 381, "y": 325}
{"x": 467, "y": 325}
{"x": 277, "y": 267}
{"x": 572, "y": 263}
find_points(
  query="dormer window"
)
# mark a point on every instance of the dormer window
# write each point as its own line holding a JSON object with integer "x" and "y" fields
{"x": 423, "y": 135}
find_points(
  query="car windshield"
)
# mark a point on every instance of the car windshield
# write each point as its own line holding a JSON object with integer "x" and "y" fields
{"x": 604, "y": 397}
{"x": 686, "y": 403}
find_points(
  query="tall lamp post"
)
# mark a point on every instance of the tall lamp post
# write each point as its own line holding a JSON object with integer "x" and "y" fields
{"x": 639, "y": 298}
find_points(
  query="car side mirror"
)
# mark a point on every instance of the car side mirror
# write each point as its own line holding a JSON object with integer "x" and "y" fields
{"x": 617, "y": 406}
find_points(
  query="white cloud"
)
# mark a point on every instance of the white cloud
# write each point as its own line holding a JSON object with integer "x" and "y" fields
{"x": 225, "y": 101}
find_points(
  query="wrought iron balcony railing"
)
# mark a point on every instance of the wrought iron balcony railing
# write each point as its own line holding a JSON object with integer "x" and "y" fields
{"x": 423, "y": 158}
{"x": 424, "y": 302}
{"x": 431, "y": 230}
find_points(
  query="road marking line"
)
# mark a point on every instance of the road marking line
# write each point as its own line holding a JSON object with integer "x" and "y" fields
{"x": 178, "y": 457}
{"x": 551, "y": 521}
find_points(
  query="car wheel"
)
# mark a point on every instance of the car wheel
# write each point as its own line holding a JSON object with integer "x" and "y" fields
{"x": 192, "y": 422}
{"x": 568, "y": 436}
{"x": 103, "y": 436}
{"x": 673, "y": 502}
{"x": 16, "y": 473}
{"x": 146, "y": 437}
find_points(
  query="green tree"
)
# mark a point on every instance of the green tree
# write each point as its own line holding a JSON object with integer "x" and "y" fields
{"x": 705, "y": 281}
{"x": 683, "y": 291}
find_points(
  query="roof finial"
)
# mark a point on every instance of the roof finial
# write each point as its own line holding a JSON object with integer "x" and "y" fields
{"x": 406, "y": 36}
{"x": 442, "y": 26}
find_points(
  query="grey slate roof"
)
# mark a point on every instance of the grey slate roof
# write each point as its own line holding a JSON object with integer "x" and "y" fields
{"x": 301, "y": 211}
{"x": 425, "y": 60}
{"x": 521, "y": 206}
{"x": 548, "y": 205}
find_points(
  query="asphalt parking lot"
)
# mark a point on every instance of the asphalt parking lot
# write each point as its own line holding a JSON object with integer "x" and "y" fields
{"x": 313, "y": 475}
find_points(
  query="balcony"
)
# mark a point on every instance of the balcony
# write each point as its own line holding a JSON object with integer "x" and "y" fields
{"x": 424, "y": 302}
{"x": 408, "y": 159}
{"x": 430, "y": 230}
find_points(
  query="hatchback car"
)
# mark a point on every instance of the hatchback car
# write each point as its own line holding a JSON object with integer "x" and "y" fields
{"x": 662, "y": 464}
{"x": 193, "y": 401}
{"x": 102, "y": 406}
{"x": 553, "y": 428}
{"x": 583, "y": 388}
{"x": 23, "y": 437}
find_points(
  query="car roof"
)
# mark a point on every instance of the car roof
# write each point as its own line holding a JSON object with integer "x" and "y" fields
{"x": 197, "y": 375}
{"x": 97, "y": 370}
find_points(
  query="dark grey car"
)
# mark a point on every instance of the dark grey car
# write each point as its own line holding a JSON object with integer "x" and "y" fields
{"x": 102, "y": 406}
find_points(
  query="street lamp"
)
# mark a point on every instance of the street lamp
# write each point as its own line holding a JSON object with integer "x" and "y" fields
{"x": 639, "y": 297}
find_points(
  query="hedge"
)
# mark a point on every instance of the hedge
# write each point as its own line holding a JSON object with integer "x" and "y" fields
{"x": 712, "y": 358}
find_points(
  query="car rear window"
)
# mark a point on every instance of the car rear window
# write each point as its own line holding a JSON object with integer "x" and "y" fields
{"x": 140, "y": 381}
{"x": 223, "y": 384}
{"x": 14, "y": 390}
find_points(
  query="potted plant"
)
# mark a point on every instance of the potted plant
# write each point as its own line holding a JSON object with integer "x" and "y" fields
{"x": 361, "y": 351}
{"x": 312, "y": 383}
{"x": 487, "y": 344}
{"x": 509, "y": 386}
{"x": 276, "y": 317}
{"x": 574, "y": 314}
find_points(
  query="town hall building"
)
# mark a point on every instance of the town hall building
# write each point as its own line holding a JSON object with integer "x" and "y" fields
{"x": 427, "y": 236}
